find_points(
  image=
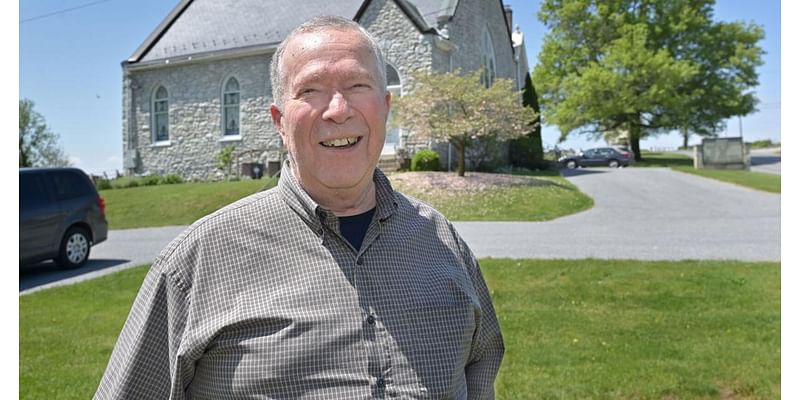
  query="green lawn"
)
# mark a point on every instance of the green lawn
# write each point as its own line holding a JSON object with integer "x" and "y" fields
{"x": 575, "y": 329}
{"x": 179, "y": 204}
{"x": 545, "y": 196}
{"x": 754, "y": 180}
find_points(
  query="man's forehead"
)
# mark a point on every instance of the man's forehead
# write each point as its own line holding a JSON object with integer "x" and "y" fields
{"x": 309, "y": 41}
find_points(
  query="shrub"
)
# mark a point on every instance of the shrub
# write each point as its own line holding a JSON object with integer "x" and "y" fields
{"x": 425, "y": 160}
{"x": 171, "y": 179}
{"x": 131, "y": 183}
{"x": 103, "y": 184}
{"x": 761, "y": 144}
{"x": 150, "y": 180}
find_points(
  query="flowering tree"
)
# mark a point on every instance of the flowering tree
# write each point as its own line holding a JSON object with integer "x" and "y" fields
{"x": 459, "y": 108}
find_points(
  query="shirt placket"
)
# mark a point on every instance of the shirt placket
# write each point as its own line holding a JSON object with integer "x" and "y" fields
{"x": 374, "y": 334}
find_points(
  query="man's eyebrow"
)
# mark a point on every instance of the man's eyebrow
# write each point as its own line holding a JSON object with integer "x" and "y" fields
{"x": 317, "y": 75}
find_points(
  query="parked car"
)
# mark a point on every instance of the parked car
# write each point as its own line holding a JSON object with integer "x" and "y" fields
{"x": 61, "y": 216}
{"x": 613, "y": 157}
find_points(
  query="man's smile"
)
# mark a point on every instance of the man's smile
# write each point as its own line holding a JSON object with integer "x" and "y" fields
{"x": 343, "y": 142}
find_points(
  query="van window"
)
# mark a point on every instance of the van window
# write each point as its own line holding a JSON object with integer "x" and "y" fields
{"x": 32, "y": 192}
{"x": 70, "y": 184}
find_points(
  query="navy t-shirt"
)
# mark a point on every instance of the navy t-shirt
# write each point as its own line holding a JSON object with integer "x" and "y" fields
{"x": 354, "y": 227}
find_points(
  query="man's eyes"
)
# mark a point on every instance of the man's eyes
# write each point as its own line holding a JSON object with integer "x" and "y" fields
{"x": 312, "y": 91}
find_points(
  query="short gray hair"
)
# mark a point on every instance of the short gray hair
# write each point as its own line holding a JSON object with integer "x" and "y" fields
{"x": 320, "y": 24}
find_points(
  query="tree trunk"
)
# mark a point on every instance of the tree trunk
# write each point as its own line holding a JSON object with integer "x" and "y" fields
{"x": 633, "y": 139}
{"x": 685, "y": 134}
{"x": 462, "y": 147}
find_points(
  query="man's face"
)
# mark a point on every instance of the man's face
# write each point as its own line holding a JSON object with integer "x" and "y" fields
{"x": 334, "y": 112}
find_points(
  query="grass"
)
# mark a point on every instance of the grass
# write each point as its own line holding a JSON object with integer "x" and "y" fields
{"x": 66, "y": 334}
{"x": 754, "y": 180}
{"x": 165, "y": 205}
{"x": 546, "y": 197}
{"x": 667, "y": 160}
{"x": 615, "y": 329}
{"x": 574, "y": 329}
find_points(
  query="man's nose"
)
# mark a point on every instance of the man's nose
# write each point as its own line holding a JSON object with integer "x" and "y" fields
{"x": 338, "y": 109}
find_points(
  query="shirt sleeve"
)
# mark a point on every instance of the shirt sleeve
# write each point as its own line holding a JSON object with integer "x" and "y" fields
{"x": 487, "y": 347}
{"x": 144, "y": 364}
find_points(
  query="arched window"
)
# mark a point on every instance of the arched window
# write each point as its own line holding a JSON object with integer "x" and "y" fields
{"x": 395, "y": 87}
{"x": 230, "y": 107}
{"x": 487, "y": 59}
{"x": 161, "y": 115}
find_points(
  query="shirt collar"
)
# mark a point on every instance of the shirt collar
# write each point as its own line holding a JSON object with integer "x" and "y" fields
{"x": 313, "y": 214}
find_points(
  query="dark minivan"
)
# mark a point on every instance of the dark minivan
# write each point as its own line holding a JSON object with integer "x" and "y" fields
{"x": 60, "y": 216}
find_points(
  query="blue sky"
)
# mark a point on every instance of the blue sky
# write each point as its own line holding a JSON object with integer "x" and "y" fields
{"x": 69, "y": 65}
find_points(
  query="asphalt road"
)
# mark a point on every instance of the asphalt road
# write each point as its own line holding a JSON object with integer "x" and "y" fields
{"x": 639, "y": 213}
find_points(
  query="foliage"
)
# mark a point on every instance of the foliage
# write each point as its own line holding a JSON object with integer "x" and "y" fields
{"x": 573, "y": 329}
{"x": 103, "y": 184}
{"x": 459, "y": 108}
{"x": 171, "y": 179}
{"x": 644, "y": 67}
{"x": 527, "y": 151}
{"x": 486, "y": 153}
{"x": 225, "y": 160}
{"x": 763, "y": 144}
{"x": 151, "y": 180}
{"x": 38, "y": 145}
{"x": 425, "y": 160}
{"x": 175, "y": 204}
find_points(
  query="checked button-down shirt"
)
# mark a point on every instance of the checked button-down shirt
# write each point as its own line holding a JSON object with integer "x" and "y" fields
{"x": 265, "y": 299}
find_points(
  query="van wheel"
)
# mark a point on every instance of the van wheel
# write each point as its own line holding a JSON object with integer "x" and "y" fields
{"x": 74, "y": 250}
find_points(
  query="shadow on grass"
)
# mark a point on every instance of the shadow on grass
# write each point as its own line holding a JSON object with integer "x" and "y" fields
{"x": 664, "y": 160}
{"x": 31, "y": 276}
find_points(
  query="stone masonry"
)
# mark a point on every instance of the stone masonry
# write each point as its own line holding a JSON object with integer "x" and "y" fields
{"x": 195, "y": 90}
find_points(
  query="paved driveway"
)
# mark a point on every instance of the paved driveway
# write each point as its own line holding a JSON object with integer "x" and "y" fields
{"x": 639, "y": 213}
{"x": 644, "y": 213}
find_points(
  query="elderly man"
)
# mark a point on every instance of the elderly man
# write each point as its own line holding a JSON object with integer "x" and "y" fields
{"x": 329, "y": 286}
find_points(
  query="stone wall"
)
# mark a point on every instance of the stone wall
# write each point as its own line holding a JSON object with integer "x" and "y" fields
{"x": 195, "y": 115}
{"x": 466, "y": 30}
{"x": 195, "y": 91}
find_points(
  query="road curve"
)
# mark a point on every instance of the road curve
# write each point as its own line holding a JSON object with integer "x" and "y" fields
{"x": 646, "y": 214}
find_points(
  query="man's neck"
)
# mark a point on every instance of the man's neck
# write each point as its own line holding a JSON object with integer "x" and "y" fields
{"x": 344, "y": 202}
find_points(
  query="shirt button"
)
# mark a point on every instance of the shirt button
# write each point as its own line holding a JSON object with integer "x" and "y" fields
{"x": 381, "y": 382}
{"x": 370, "y": 320}
{"x": 360, "y": 261}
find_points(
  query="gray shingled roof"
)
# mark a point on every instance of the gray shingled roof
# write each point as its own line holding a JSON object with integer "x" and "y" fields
{"x": 214, "y": 26}
{"x": 204, "y": 26}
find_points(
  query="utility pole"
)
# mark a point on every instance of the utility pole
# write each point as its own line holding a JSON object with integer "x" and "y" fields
{"x": 740, "y": 126}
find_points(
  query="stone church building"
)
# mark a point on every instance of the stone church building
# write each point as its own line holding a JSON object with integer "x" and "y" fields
{"x": 200, "y": 82}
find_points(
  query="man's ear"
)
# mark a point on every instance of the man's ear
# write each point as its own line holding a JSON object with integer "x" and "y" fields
{"x": 388, "y": 100}
{"x": 276, "y": 118}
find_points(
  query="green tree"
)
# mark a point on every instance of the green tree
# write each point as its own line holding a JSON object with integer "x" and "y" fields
{"x": 644, "y": 67}
{"x": 225, "y": 159}
{"x": 460, "y": 109}
{"x": 38, "y": 146}
{"x": 527, "y": 151}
